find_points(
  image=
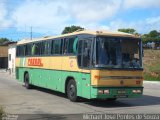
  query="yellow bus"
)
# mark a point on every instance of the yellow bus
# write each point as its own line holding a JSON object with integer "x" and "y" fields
{"x": 88, "y": 64}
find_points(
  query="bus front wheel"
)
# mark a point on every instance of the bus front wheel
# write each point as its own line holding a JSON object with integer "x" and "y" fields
{"x": 26, "y": 81}
{"x": 72, "y": 90}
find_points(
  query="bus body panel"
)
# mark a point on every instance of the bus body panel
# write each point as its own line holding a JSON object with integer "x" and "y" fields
{"x": 87, "y": 84}
{"x": 117, "y": 78}
{"x": 53, "y": 75}
{"x": 114, "y": 92}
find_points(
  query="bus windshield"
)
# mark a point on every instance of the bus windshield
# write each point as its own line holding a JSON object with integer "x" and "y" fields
{"x": 117, "y": 53}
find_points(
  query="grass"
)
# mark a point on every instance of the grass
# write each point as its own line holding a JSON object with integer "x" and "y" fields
{"x": 151, "y": 62}
{"x": 2, "y": 113}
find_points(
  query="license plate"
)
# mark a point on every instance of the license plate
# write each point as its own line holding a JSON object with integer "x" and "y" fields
{"x": 121, "y": 96}
{"x": 121, "y": 91}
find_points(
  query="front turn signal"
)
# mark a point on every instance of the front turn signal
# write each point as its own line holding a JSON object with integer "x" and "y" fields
{"x": 97, "y": 77}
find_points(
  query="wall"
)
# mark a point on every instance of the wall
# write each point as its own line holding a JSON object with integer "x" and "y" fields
{"x": 11, "y": 58}
{"x": 3, "y": 57}
{"x": 3, "y": 51}
{"x": 3, "y": 62}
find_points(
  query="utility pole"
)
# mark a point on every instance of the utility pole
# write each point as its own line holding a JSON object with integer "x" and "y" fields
{"x": 31, "y": 32}
{"x": 25, "y": 32}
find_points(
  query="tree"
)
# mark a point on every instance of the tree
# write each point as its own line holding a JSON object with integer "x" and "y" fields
{"x": 3, "y": 40}
{"x": 128, "y": 30}
{"x": 71, "y": 29}
{"x": 152, "y": 36}
{"x": 153, "y": 33}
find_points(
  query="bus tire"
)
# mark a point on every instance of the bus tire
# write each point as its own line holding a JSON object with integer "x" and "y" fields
{"x": 72, "y": 90}
{"x": 26, "y": 81}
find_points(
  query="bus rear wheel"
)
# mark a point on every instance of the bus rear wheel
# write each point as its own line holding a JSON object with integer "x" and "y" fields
{"x": 72, "y": 90}
{"x": 26, "y": 81}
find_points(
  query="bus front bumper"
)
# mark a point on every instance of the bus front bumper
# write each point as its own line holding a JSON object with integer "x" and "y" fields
{"x": 116, "y": 92}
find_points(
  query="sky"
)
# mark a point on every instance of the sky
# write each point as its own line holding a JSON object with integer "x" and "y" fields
{"x": 49, "y": 17}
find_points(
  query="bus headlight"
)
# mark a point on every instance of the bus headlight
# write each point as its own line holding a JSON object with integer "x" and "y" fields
{"x": 106, "y": 91}
{"x": 103, "y": 91}
{"x": 100, "y": 91}
{"x": 137, "y": 91}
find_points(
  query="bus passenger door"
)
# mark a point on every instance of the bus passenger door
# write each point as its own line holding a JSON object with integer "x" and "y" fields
{"x": 84, "y": 62}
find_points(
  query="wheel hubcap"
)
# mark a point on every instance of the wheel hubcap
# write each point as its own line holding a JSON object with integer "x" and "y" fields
{"x": 26, "y": 82}
{"x": 72, "y": 90}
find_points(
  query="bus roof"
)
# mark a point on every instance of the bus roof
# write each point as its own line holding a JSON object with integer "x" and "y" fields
{"x": 90, "y": 32}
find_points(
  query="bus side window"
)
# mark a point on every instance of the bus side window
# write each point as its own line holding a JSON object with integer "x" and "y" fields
{"x": 33, "y": 49}
{"x": 28, "y": 49}
{"x": 45, "y": 47}
{"x": 86, "y": 59}
{"x": 21, "y": 50}
{"x": 17, "y": 51}
{"x": 65, "y": 46}
{"x": 79, "y": 56}
{"x": 36, "y": 49}
{"x": 75, "y": 45}
{"x": 56, "y": 46}
{"x": 84, "y": 53}
{"x": 69, "y": 44}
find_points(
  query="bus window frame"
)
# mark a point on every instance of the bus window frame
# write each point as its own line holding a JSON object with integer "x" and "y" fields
{"x": 18, "y": 50}
{"x": 31, "y": 43}
{"x": 26, "y": 54}
{"x": 53, "y": 54}
{"x": 64, "y": 46}
{"x": 91, "y": 54}
{"x": 43, "y": 42}
{"x": 140, "y": 54}
{"x": 40, "y": 52}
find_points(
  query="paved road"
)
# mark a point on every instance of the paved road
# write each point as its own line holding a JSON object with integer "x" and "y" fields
{"x": 17, "y": 100}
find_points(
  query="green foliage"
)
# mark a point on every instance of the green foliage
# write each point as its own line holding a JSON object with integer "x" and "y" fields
{"x": 148, "y": 77}
{"x": 3, "y": 40}
{"x": 150, "y": 39}
{"x": 71, "y": 29}
{"x": 128, "y": 30}
{"x": 151, "y": 65}
{"x": 2, "y": 113}
{"x": 153, "y": 34}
